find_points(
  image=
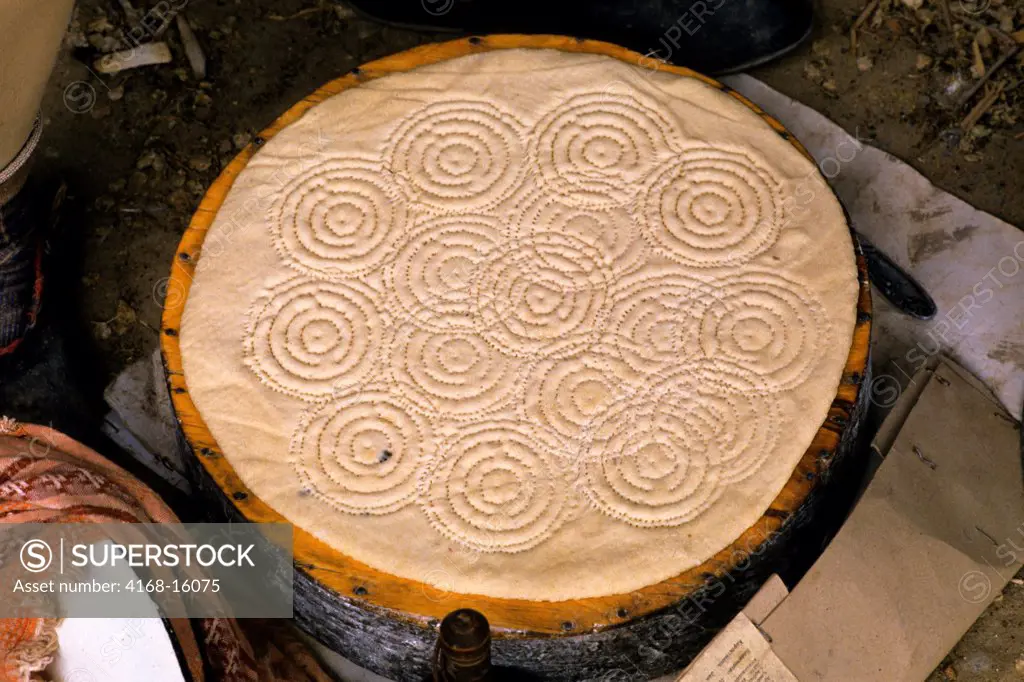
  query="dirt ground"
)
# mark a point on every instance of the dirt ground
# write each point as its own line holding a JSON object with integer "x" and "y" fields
{"x": 138, "y": 150}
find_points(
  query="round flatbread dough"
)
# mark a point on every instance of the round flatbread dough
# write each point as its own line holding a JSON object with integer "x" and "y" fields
{"x": 526, "y": 324}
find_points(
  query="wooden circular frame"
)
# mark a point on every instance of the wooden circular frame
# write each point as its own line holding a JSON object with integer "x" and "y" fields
{"x": 420, "y": 603}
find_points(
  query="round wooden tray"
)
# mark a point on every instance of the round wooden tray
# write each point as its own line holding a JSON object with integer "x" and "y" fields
{"x": 388, "y": 623}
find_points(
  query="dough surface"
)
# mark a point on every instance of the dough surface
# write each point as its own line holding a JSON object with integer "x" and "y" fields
{"x": 526, "y": 324}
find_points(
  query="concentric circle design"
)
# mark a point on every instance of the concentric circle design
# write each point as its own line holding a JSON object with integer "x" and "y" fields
{"x": 655, "y": 321}
{"x": 459, "y": 156}
{"x": 496, "y": 487}
{"x": 341, "y": 217}
{"x": 571, "y": 395}
{"x": 361, "y": 453}
{"x": 461, "y": 374}
{"x": 665, "y": 455}
{"x": 736, "y": 410}
{"x": 766, "y": 323}
{"x": 312, "y": 339}
{"x": 596, "y": 148}
{"x": 431, "y": 275}
{"x": 547, "y": 294}
{"x": 712, "y": 206}
{"x": 612, "y": 230}
{"x": 521, "y": 323}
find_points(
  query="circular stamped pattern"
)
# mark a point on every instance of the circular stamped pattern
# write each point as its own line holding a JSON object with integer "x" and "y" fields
{"x": 571, "y": 395}
{"x": 712, "y": 206}
{"x": 496, "y": 487}
{"x": 611, "y": 230}
{"x": 655, "y": 320}
{"x": 738, "y": 415}
{"x": 767, "y": 323}
{"x": 543, "y": 295}
{"x": 430, "y": 277}
{"x": 310, "y": 339}
{"x": 459, "y": 155}
{"x": 596, "y": 148}
{"x": 361, "y": 453}
{"x": 664, "y": 455}
{"x": 341, "y": 217}
{"x": 651, "y": 475}
{"x": 462, "y": 375}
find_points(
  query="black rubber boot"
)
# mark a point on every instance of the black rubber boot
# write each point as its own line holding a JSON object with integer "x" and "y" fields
{"x": 710, "y": 36}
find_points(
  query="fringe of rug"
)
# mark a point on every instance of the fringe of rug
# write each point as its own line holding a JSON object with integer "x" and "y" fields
{"x": 27, "y": 660}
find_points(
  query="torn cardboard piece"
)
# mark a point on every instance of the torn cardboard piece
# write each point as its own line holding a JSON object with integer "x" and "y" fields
{"x": 934, "y": 539}
{"x": 740, "y": 652}
{"x": 771, "y": 594}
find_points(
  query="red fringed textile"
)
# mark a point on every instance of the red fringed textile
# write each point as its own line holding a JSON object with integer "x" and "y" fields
{"x": 46, "y": 477}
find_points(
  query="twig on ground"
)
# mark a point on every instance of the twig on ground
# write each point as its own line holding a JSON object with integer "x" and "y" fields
{"x": 980, "y": 109}
{"x": 193, "y": 51}
{"x": 977, "y": 61}
{"x": 994, "y": 30}
{"x": 985, "y": 78}
{"x": 946, "y": 14}
{"x": 867, "y": 12}
{"x": 130, "y": 13}
{"x": 300, "y": 13}
{"x": 143, "y": 55}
